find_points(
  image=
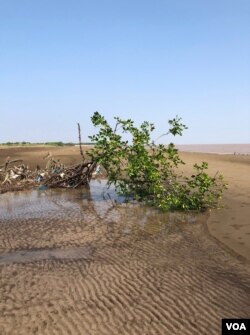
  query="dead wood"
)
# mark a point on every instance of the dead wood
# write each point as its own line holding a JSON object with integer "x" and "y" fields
{"x": 80, "y": 141}
{"x": 55, "y": 174}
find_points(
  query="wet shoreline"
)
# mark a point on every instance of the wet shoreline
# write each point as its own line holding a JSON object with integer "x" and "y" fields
{"x": 81, "y": 262}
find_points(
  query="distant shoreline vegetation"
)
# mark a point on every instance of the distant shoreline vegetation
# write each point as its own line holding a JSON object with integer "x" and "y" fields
{"x": 57, "y": 144}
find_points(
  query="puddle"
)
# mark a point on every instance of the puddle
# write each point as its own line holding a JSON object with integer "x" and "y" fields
{"x": 50, "y": 222}
{"x": 25, "y": 256}
{"x": 97, "y": 199}
{"x": 45, "y": 202}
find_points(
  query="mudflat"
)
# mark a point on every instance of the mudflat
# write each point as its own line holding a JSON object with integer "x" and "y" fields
{"x": 230, "y": 224}
{"x": 76, "y": 262}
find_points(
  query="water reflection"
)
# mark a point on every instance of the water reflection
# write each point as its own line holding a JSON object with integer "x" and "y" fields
{"x": 96, "y": 216}
{"x": 42, "y": 202}
{"x": 122, "y": 266}
{"x": 98, "y": 199}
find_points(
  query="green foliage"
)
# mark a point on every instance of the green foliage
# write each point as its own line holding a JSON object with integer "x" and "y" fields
{"x": 59, "y": 144}
{"x": 29, "y": 143}
{"x": 148, "y": 171}
{"x": 69, "y": 144}
{"x": 12, "y": 143}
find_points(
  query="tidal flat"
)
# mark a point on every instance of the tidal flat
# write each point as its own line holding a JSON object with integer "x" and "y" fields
{"x": 84, "y": 262}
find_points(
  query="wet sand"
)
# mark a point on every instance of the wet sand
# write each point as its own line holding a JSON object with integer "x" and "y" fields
{"x": 71, "y": 265}
{"x": 231, "y": 224}
{"x": 74, "y": 262}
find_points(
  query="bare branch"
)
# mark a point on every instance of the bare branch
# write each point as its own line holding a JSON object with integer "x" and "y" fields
{"x": 80, "y": 142}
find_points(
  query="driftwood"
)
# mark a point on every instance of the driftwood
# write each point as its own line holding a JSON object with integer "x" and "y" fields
{"x": 72, "y": 176}
{"x": 55, "y": 174}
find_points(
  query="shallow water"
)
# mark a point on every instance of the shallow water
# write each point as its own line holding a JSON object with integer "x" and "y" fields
{"x": 242, "y": 149}
{"x": 25, "y": 256}
{"x": 84, "y": 262}
{"x": 34, "y": 214}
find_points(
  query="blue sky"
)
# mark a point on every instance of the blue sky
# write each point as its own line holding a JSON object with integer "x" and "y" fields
{"x": 60, "y": 61}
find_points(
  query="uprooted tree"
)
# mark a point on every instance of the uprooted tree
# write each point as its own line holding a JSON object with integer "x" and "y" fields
{"x": 139, "y": 168}
{"x": 147, "y": 171}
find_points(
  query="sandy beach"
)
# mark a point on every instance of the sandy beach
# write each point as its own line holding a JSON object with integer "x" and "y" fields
{"x": 72, "y": 262}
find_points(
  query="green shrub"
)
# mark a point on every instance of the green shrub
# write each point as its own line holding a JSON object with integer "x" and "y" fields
{"x": 148, "y": 171}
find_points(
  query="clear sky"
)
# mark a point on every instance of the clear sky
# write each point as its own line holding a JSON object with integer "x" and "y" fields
{"x": 61, "y": 60}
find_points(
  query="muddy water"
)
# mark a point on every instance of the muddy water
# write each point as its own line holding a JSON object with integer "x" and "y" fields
{"x": 242, "y": 149}
{"x": 85, "y": 262}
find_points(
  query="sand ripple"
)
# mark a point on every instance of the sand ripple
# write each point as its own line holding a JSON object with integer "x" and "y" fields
{"x": 84, "y": 267}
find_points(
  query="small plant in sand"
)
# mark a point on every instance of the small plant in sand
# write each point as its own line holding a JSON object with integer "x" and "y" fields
{"x": 147, "y": 171}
